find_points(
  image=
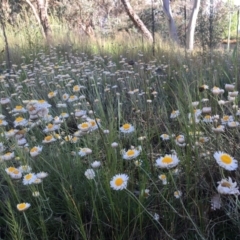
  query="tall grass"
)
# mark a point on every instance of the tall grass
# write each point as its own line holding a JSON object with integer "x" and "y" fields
{"x": 142, "y": 93}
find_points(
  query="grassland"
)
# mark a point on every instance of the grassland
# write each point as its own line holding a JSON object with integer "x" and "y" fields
{"x": 102, "y": 140}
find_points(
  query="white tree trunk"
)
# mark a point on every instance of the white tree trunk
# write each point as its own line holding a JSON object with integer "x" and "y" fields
{"x": 37, "y": 17}
{"x": 192, "y": 25}
{"x": 43, "y": 15}
{"x": 172, "y": 27}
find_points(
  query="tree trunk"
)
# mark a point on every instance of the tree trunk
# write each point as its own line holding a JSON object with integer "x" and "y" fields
{"x": 42, "y": 11}
{"x": 192, "y": 25}
{"x": 136, "y": 20}
{"x": 37, "y": 17}
{"x": 172, "y": 27}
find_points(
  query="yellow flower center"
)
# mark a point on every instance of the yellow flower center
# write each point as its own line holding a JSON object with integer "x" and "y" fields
{"x": 1, "y": 121}
{"x": 15, "y": 171}
{"x": 167, "y": 160}
{"x": 41, "y": 101}
{"x": 34, "y": 149}
{"x": 93, "y": 123}
{"x": 119, "y": 181}
{"x": 49, "y": 126}
{"x": 126, "y": 126}
{"x": 225, "y": 118}
{"x": 76, "y": 88}
{"x": 28, "y": 176}
{"x": 130, "y": 153}
{"x": 85, "y": 125}
{"x": 48, "y": 138}
{"x": 21, "y": 206}
{"x": 72, "y": 97}
{"x": 11, "y": 169}
{"x": 226, "y": 184}
{"x": 19, "y": 119}
{"x": 8, "y": 154}
{"x": 225, "y": 158}
{"x": 51, "y": 94}
{"x": 163, "y": 176}
{"x": 18, "y": 107}
{"x": 207, "y": 117}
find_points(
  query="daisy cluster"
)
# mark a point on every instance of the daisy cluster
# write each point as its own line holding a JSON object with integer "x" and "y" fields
{"x": 210, "y": 127}
{"x": 64, "y": 100}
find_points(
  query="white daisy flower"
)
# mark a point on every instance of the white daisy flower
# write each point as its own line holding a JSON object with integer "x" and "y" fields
{"x": 156, "y": 217}
{"x": 85, "y": 126}
{"x": 174, "y": 114}
{"x": 42, "y": 104}
{"x": 10, "y": 133}
{"x": 10, "y": 170}
{"x": 64, "y": 115}
{"x": 226, "y": 161}
{"x": 217, "y": 90}
{"x": 84, "y": 151}
{"x": 114, "y": 145}
{"x": 233, "y": 124}
{"x": 228, "y": 187}
{"x": 94, "y": 123}
{"x": 36, "y": 194}
{"x": 49, "y": 139}
{"x": 76, "y": 88}
{"x": 90, "y": 174}
{"x": 52, "y": 94}
{"x": 130, "y": 154}
{"x": 51, "y": 127}
{"x": 5, "y": 101}
{"x": 165, "y": 137}
{"x": 226, "y": 118}
{"x": 138, "y": 163}
{"x": 219, "y": 129}
{"x": 23, "y": 206}
{"x": 195, "y": 104}
{"x": 41, "y": 175}
{"x": 119, "y": 182}
{"x": 229, "y": 87}
{"x": 127, "y": 128}
{"x": 163, "y": 178}
{"x": 21, "y": 141}
{"x": 29, "y": 178}
{"x": 25, "y": 168}
{"x": 65, "y": 97}
{"x": 20, "y": 121}
{"x": 19, "y": 109}
{"x": 3, "y": 122}
{"x": 72, "y": 98}
{"x": 177, "y": 194}
{"x": 208, "y": 119}
{"x": 79, "y": 113}
{"x": 8, "y": 156}
{"x": 35, "y": 151}
{"x": 96, "y": 164}
{"x": 215, "y": 202}
{"x": 16, "y": 174}
{"x": 180, "y": 140}
{"x": 168, "y": 161}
